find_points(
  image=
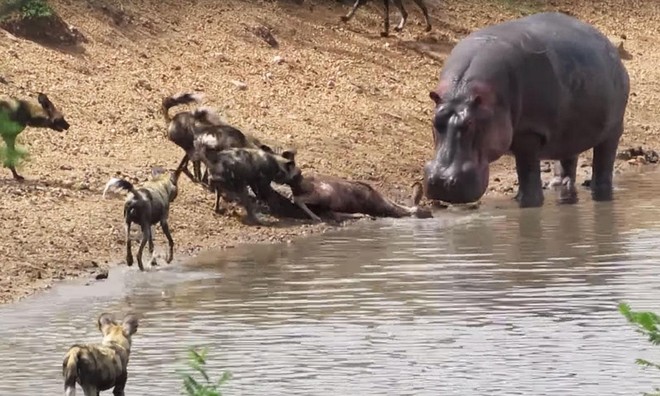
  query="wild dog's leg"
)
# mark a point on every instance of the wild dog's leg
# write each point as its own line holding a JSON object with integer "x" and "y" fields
{"x": 218, "y": 196}
{"x": 146, "y": 234}
{"x": 386, "y": 32}
{"x": 351, "y": 13}
{"x": 90, "y": 390}
{"x": 404, "y": 15}
{"x": 151, "y": 248}
{"x": 11, "y": 155}
{"x": 425, "y": 11}
{"x": 568, "y": 192}
{"x": 129, "y": 254}
{"x": 603, "y": 166}
{"x": 184, "y": 168}
{"x": 120, "y": 384}
{"x": 250, "y": 209}
{"x": 300, "y": 202}
{"x": 166, "y": 230}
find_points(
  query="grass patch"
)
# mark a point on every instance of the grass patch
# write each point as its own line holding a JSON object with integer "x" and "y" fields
{"x": 202, "y": 386}
{"x": 27, "y": 9}
{"x": 645, "y": 323}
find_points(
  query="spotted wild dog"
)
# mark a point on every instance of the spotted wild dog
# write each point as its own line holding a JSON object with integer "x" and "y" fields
{"x": 402, "y": 10}
{"x": 99, "y": 367}
{"x": 15, "y": 116}
{"x": 232, "y": 171}
{"x": 146, "y": 206}
{"x": 180, "y": 128}
{"x": 329, "y": 194}
{"x": 218, "y": 135}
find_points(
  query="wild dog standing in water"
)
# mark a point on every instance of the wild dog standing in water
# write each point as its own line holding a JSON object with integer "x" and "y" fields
{"x": 232, "y": 171}
{"x": 15, "y": 115}
{"x": 99, "y": 367}
{"x": 336, "y": 195}
{"x": 404, "y": 14}
{"x": 146, "y": 206}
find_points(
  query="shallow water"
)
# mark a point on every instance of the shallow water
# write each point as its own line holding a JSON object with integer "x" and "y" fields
{"x": 498, "y": 301}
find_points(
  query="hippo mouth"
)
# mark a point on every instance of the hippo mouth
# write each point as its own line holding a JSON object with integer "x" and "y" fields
{"x": 462, "y": 184}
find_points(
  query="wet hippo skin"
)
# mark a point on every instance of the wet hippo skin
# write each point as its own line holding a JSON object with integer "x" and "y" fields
{"x": 545, "y": 86}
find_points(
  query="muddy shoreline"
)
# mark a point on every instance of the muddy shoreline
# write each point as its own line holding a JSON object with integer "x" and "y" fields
{"x": 292, "y": 233}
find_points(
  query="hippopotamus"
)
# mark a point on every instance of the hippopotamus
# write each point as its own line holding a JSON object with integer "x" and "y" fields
{"x": 543, "y": 87}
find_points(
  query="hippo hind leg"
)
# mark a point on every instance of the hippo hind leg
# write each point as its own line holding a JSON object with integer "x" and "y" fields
{"x": 603, "y": 166}
{"x": 566, "y": 172}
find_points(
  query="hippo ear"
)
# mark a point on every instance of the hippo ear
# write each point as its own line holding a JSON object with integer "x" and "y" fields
{"x": 435, "y": 97}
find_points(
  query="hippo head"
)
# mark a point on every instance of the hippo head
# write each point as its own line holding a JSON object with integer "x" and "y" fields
{"x": 470, "y": 130}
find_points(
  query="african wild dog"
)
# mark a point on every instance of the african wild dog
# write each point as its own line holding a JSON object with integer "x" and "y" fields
{"x": 218, "y": 135}
{"x": 232, "y": 171}
{"x": 146, "y": 206}
{"x": 180, "y": 128}
{"x": 16, "y": 115}
{"x": 404, "y": 14}
{"x": 99, "y": 367}
{"x": 336, "y": 195}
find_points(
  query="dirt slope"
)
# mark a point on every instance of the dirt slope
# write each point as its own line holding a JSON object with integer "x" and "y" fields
{"x": 354, "y": 105}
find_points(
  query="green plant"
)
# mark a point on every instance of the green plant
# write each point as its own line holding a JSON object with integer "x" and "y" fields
{"x": 647, "y": 324}
{"x": 193, "y": 387}
{"x": 35, "y": 9}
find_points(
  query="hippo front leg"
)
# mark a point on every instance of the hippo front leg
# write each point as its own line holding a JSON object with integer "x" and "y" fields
{"x": 528, "y": 167}
{"x": 603, "y": 167}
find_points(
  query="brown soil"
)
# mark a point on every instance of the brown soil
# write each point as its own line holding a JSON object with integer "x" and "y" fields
{"x": 355, "y": 105}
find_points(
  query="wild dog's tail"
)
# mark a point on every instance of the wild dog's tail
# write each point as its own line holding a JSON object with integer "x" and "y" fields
{"x": 70, "y": 371}
{"x": 119, "y": 184}
{"x": 178, "y": 99}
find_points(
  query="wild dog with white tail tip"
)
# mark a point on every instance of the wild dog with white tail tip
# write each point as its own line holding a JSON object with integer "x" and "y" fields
{"x": 336, "y": 195}
{"x": 99, "y": 367}
{"x": 146, "y": 206}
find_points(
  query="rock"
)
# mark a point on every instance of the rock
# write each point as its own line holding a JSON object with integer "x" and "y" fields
{"x": 103, "y": 274}
{"x": 278, "y": 60}
{"x": 240, "y": 85}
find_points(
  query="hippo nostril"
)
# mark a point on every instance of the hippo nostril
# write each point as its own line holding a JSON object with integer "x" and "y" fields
{"x": 450, "y": 181}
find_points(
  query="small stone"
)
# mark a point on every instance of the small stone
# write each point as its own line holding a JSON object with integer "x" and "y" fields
{"x": 101, "y": 275}
{"x": 278, "y": 60}
{"x": 240, "y": 85}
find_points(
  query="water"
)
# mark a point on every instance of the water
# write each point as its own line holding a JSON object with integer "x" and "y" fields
{"x": 498, "y": 301}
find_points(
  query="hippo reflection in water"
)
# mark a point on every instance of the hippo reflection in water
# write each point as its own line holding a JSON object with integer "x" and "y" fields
{"x": 546, "y": 86}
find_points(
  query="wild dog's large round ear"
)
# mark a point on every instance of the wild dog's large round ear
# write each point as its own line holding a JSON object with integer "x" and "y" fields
{"x": 46, "y": 104}
{"x": 289, "y": 154}
{"x": 130, "y": 324}
{"x": 105, "y": 319}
